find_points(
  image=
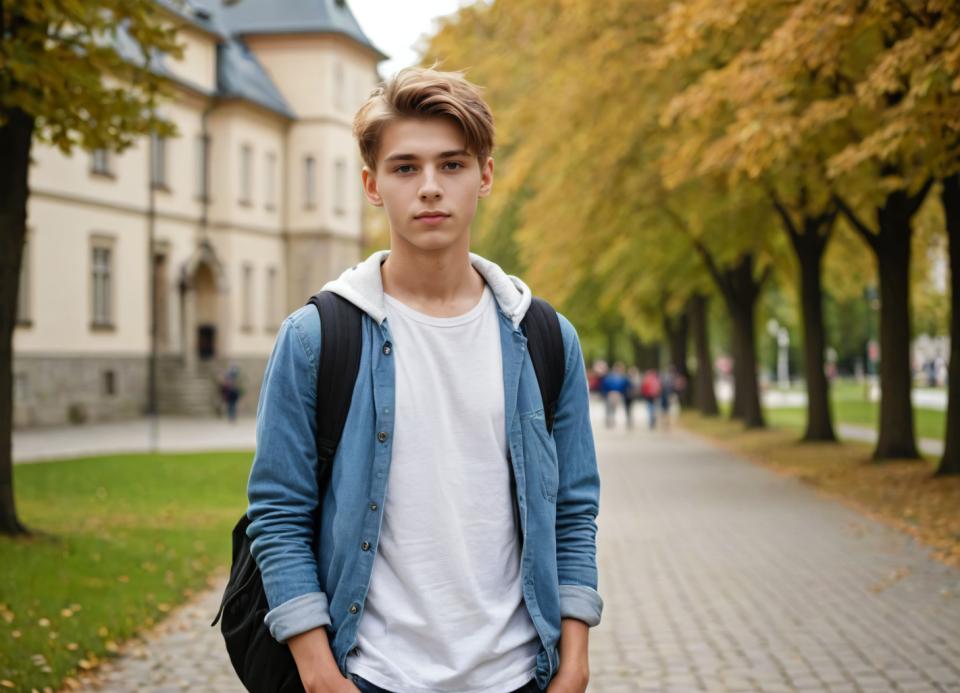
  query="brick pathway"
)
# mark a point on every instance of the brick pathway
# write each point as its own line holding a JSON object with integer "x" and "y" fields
{"x": 717, "y": 575}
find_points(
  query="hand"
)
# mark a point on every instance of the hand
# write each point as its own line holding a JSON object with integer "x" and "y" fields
{"x": 574, "y": 671}
{"x": 315, "y": 663}
{"x": 569, "y": 681}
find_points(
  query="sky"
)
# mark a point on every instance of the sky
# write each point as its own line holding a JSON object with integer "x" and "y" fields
{"x": 396, "y": 26}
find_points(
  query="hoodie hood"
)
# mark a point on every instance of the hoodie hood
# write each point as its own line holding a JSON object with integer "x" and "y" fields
{"x": 363, "y": 287}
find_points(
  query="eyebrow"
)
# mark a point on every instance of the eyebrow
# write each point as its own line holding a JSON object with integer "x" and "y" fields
{"x": 414, "y": 157}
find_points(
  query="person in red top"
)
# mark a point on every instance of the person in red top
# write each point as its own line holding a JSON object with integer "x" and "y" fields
{"x": 650, "y": 391}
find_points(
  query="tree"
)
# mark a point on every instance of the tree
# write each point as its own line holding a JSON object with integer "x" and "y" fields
{"x": 67, "y": 78}
{"x": 704, "y": 395}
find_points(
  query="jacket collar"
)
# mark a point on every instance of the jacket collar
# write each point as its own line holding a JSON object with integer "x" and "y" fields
{"x": 363, "y": 287}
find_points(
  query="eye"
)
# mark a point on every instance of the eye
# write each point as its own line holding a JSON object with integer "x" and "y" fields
{"x": 457, "y": 164}
{"x": 403, "y": 168}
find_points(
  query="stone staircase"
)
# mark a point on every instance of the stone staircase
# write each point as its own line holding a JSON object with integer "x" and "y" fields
{"x": 188, "y": 392}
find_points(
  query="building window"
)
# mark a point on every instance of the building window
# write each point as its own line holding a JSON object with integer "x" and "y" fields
{"x": 158, "y": 161}
{"x": 246, "y": 174}
{"x": 23, "y": 291}
{"x": 102, "y": 285}
{"x": 270, "y": 181}
{"x": 340, "y": 186}
{"x": 203, "y": 167}
{"x": 246, "y": 322}
{"x": 309, "y": 182}
{"x": 100, "y": 161}
{"x": 271, "y": 307}
{"x": 109, "y": 383}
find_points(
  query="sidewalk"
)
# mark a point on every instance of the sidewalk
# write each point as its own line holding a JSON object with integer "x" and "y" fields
{"x": 717, "y": 575}
{"x": 172, "y": 434}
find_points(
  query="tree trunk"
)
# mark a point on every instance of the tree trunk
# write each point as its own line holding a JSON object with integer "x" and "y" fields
{"x": 16, "y": 137}
{"x": 645, "y": 355}
{"x": 809, "y": 247}
{"x": 745, "y": 376}
{"x": 896, "y": 435}
{"x": 704, "y": 395}
{"x": 736, "y": 351}
{"x": 677, "y": 330}
{"x": 740, "y": 292}
{"x": 891, "y": 246}
{"x": 950, "y": 462}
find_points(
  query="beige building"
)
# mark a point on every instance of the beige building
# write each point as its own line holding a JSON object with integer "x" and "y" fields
{"x": 252, "y": 207}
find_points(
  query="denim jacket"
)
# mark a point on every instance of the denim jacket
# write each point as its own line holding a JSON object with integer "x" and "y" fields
{"x": 556, "y": 480}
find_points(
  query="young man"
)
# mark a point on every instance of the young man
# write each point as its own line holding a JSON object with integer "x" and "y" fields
{"x": 457, "y": 547}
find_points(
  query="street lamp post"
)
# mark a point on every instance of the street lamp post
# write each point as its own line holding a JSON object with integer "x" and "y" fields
{"x": 781, "y": 337}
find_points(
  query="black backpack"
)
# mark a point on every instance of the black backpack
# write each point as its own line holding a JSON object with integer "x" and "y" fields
{"x": 263, "y": 664}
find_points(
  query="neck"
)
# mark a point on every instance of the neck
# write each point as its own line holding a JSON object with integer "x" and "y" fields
{"x": 434, "y": 281}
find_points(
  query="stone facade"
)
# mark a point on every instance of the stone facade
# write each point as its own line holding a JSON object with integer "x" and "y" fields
{"x": 54, "y": 390}
{"x": 213, "y": 236}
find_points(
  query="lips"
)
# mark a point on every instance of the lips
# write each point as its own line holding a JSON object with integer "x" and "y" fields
{"x": 431, "y": 215}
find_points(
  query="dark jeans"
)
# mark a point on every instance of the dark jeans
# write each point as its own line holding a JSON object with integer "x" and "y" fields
{"x": 367, "y": 687}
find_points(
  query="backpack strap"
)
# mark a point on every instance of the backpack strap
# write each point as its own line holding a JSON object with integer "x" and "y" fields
{"x": 341, "y": 339}
{"x": 545, "y": 343}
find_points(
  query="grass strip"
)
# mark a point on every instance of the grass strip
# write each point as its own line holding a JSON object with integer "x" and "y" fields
{"x": 119, "y": 541}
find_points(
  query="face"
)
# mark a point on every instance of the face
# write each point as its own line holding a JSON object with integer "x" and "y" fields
{"x": 427, "y": 183}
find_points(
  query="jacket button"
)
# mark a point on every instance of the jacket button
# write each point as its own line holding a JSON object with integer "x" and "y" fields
{"x": 382, "y": 436}
{"x": 354, "y": 608}
{"x": 387, "y": 348}
{"x": 365, "y": 546}
{"x": 373, "y": 506}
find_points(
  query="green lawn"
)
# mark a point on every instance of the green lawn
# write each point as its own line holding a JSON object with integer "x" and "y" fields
{"x": 120, "y": 540}
{"x": 850, "y": 406}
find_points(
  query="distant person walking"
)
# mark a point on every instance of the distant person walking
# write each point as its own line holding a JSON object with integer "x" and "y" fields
{"x": 615, "y": 387}
{"x": 667, "y": 389}
{"x": 231, "y": 390}
{"x": 650, "y": 391}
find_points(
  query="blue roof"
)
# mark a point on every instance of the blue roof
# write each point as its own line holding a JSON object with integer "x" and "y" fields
{"x": 247, "y": 17}
{"x": 195, "y": 14}
{"x": 240, "y": 75}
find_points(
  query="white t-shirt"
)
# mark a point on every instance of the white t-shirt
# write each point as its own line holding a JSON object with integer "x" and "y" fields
{"x": 445, "y": 609}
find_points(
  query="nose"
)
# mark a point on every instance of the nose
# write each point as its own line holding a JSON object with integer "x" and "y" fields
{"x": 430, "y": 188}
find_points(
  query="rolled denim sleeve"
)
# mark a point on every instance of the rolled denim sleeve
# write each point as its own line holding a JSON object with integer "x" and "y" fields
{"x": 578, "y": 496}
{"x": 282, "y": 488}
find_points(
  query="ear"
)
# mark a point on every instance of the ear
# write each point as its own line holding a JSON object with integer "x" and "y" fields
{"x": 370, "y": 187}
{"x": 486, "y": 177}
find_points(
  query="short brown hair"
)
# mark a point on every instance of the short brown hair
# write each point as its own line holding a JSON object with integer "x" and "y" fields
{"x": 417, "y": 92}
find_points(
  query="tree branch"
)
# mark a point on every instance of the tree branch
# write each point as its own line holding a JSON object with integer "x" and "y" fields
{"x": 869, "y": 236}
{"x": 914, "y": 202}
{"x": 784, "y": 213}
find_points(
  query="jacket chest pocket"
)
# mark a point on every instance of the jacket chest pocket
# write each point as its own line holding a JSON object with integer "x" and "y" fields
{"x": 540, "y": 452}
